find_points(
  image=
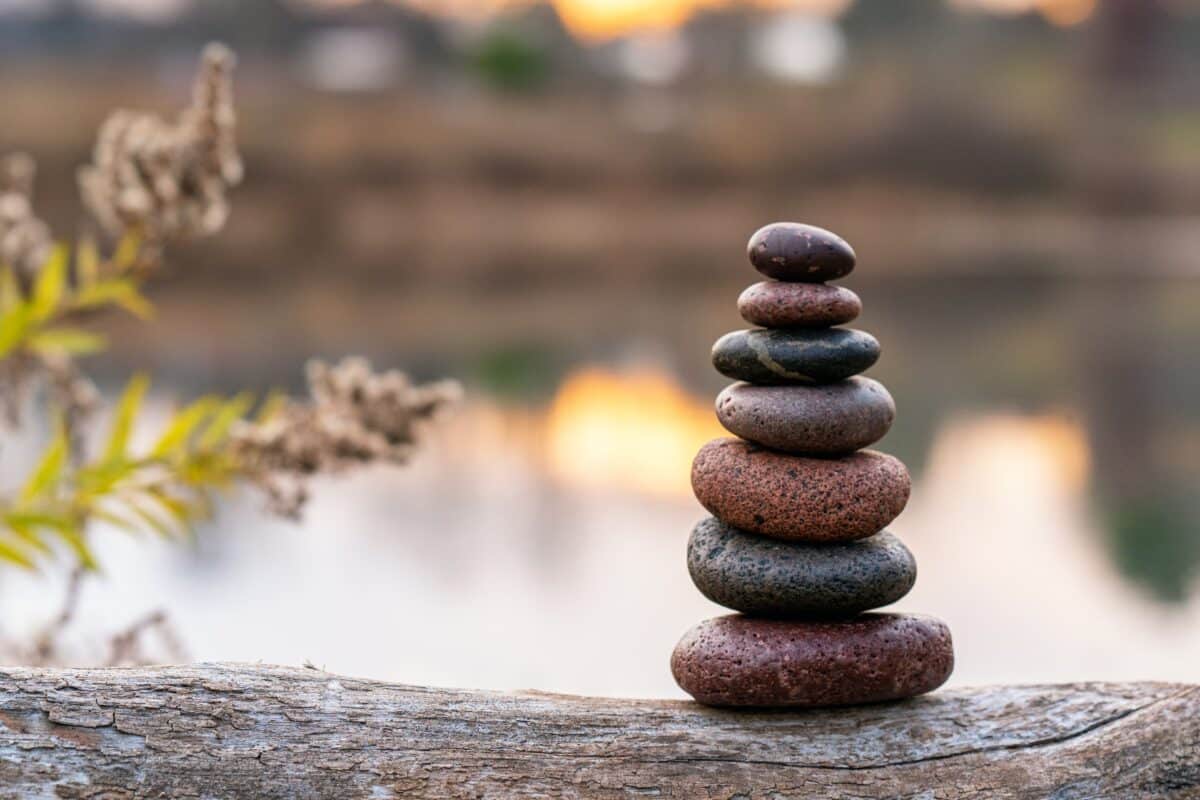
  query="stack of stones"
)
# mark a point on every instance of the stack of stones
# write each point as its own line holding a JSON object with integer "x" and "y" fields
{"x": 796, "y": 542}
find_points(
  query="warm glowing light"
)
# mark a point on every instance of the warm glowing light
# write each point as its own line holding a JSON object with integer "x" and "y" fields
{"x": 600, "y": 19}
{"x": 1010, "y": 454}
{"x": 635, "y": 430}
{"x": 1058, "y": 12}
{"x": 1067, "y": 12}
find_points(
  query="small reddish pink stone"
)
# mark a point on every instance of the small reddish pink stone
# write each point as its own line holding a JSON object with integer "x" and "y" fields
{"x": 777, "y": 304}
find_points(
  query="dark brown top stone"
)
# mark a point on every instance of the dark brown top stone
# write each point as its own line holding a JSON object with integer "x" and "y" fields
{"x": 790, "y": 251}
{"x": 776, "y": 304}
{"x": 799, "y": 498}
{"x": 809, "y": 420}
{"x": 744, "y": 662}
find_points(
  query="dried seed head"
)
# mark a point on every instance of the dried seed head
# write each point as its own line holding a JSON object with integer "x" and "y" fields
{"x": 169, "y": 180}
{"x": 355, "y": 417}
{"x": 25, "y": 241}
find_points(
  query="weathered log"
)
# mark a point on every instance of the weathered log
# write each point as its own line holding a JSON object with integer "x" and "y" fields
{"x": 220, "y": 731}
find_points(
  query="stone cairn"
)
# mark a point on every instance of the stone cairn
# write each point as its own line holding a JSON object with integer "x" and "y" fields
{"x": 796, "y": 542}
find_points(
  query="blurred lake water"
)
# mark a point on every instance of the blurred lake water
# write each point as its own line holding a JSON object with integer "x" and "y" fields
{"x": 538, "y": 538}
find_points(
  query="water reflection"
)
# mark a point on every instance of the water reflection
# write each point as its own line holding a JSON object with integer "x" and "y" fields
{"x": 517, "y": 553}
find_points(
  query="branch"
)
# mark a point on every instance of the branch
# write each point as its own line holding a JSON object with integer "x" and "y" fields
{"x": 273, "y": 732}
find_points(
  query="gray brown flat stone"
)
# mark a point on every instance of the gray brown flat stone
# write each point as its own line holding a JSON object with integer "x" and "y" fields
{"x": 832, "y": 419}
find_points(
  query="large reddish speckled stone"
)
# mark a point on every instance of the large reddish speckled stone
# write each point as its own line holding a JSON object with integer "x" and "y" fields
{"x": 790, "y": 251}
{"x": 799, "y": 498}
{"x": 745, "y": 662}
{"x": 776, "y": 304}
{"x": 809, "y": 420}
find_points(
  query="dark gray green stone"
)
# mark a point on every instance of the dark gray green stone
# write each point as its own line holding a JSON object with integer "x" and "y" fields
{"x": 773, "y": 357}
{"x": 769, "y": 577}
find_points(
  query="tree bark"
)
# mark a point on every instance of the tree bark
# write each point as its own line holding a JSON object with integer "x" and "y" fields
{"x": 225, "y": 731}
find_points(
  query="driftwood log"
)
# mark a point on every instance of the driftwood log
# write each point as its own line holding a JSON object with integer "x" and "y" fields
{"x": 222, "y": 731}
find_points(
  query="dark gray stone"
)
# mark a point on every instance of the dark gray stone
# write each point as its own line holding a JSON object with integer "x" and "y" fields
{"x": 768, "y": 577}
{"x": 774, "y": 357}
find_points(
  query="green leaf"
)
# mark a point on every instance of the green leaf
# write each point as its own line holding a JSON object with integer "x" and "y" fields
{"x": 128, "y": 248}
{"x": 87, "y": 262}
{"x": 10, "y": 290}
{"x": 30, "y": 537}
{"x": 116, "y": 520}
{"x": 13, "y": 325}
{"x": 13, "y": 555}
{"x": 183, "y": 513}
{"x": 66, "y": 528}
{"x": 274, "y": 402}
{"x": 176, "y": 436}
{"x": 231, "y": 411}
{"x": 122, "y": 292}
{"x": 49, "y": 468}
{"x": 74, "y": 539}
{"x": 67, "y": 341}
{"x": 152, "y": 521}
{"x": 37, "y": 519}
{"x": 127, "y": 409}
{"x": 49, "y": 286}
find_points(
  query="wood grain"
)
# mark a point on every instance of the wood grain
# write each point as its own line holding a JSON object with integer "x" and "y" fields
{"x": 232, "y": 731}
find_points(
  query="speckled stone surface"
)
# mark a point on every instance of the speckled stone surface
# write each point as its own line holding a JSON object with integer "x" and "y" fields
{"x": 794, "y": 356}
{"x": 777, "y": 304}
{"x": 796, "y": 497}
{"x": 790, "y": 251}
{"x": 746, "y": 662}
{"x": 769, "y": 577}
{"x": 814, "y": 420}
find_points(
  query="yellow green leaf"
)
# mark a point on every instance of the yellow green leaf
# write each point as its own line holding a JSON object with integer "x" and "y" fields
{"x": 74, "y": 539}
{"x": 116, "y": 520}
{"x": 14, "y": 555}
{"x": 65, "y": 527}
{"x": 127, "y": 409}
{"x": 274, "y": 402}
{"x": 122, "y": 292}
{"x": 152, "y": 521}
{"x": 183, "y": 425}
{"x": 127, "y": 251}
{"x": 66, "y": 341}
{"x": 14, "y": 323}
{"x": 29, "y": 536}
{"x": 49, "y": 286}
{"x": 10, "y": 290}
{"x": 87, "y": 262}
{"x": 49, "y": 468}
{"x": 231, "y": 411}
{"x": 180, "y": 510}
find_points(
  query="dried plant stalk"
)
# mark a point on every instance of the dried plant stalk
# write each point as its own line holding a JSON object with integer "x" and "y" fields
{"x": 355, "y": 417}
{"x": 25, "y": 241}
{"x": 169, "y": 180}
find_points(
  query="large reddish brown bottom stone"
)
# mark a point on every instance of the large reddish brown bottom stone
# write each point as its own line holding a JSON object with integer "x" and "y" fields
{"x": 740, "y": 661}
